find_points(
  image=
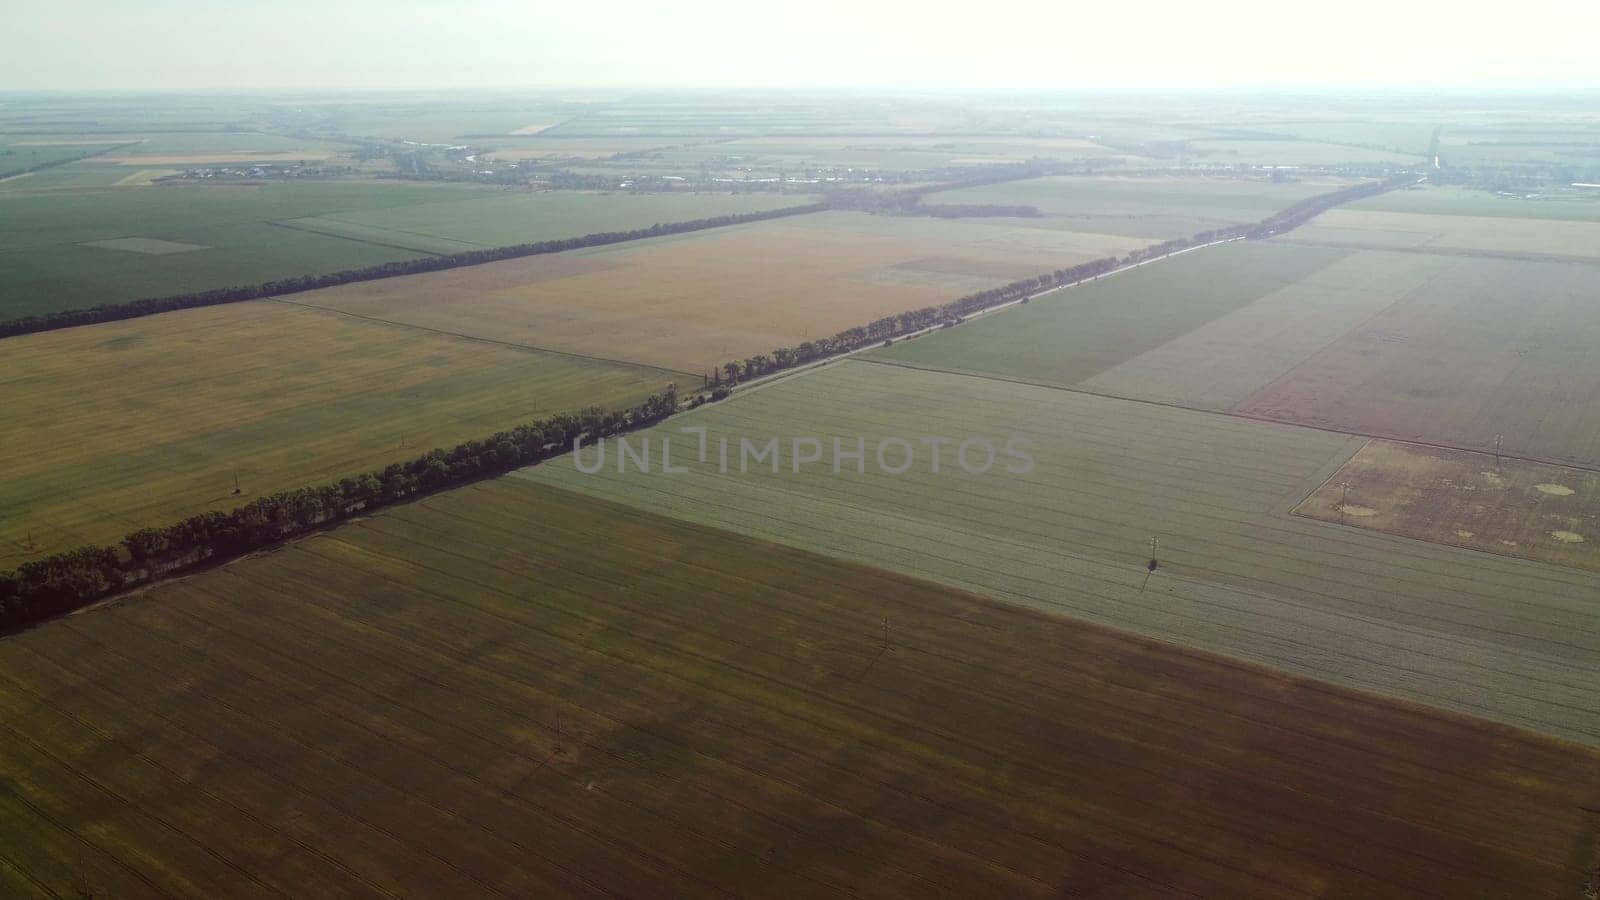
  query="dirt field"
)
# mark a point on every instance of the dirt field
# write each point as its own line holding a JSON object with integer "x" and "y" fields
{"x": 1488, "y": 234}
{"x": 1486, "y": 347}
{"x": 1509, "y": 507}
{"x": 1503, "y": 638}
{"x": 140, "y": 423}
{"x": 510, "y": 691}
{"x": 693, "y": 302}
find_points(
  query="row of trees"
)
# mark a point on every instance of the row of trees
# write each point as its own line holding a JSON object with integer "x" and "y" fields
{"x": 1311, "y": 207}
{"x": 69, "y": 580}
{"x": 132, "y": 309}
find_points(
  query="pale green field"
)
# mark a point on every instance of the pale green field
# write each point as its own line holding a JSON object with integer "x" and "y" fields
{"x": 1079, "y": 332}
{"x": 1455, "y": 201}
{"x": 1222, "y": 362}
{"x": 1505, "y": 639}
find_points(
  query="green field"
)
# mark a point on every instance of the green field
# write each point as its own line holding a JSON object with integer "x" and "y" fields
{"x": 16, "y": 157}
{"x": 1449, "y": 201}
{"x": 1271, "y": 152}
{"x": 257, "y": 233}
{"x": 1225, "y": 360}
{"x": 1501, "y": 638}
{"x": 1163, "y": 207}
{"x": 105, "y": 433}
{"x": 505, "y": 218}
{"x": 512, "y": 691}
{"x": 1080, "y": 332}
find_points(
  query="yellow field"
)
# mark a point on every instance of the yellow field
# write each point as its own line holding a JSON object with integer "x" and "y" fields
{"x": 1493, "y": 234}
{"x": 1509, "y": 507}
{"x": 129, "y": 424}
{"x": 692, "y": 302}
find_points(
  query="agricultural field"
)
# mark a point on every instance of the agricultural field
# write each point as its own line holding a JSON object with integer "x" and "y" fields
{"x": 1407, "y": 135}
{"x": 1505, "y": 506}
{"x": 1436, "y": 348}
{"x": 1506, "y": 639}
{"x": 798, "y": 154}
{"x": 1571, "y": 205}
{"x": 104, "y": 434}
{"x": 1226, "y": 360}
{"x": 250, "y": 233}
{"x": 1485, "y": 347}
{"x": 1290, "y": 153}
{"x": 692, "y": 302}
{"x": 1075, "y": 334}
{"x": 23, "y": 155}
{"x": 1159, "y": 207}
{"x": 1500, "y": 235}
{"x": 504, "y": 218}
{"x": 510, "y": 690}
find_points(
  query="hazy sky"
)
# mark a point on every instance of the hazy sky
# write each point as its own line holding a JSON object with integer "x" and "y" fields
{"x": 231, "y": 44}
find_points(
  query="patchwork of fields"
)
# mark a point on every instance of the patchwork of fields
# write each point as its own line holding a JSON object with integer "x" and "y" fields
{"x": 1494, "y": 637}
{"x": 692, "y": 302}
{"x": 104, "y": 434}
{"x": 514, "y": 691}
{"x": 1276, "y": 573}
{"x": 52, "y": 253}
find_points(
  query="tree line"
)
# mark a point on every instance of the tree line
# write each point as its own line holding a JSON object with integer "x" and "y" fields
{"x": 111, "y": 312}
{"x": 65, "y": 581}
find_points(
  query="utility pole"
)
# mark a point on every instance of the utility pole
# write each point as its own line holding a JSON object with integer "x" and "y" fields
{"x": 1344, "y": 499}
{"x": 1499, "y": 440}
{"x": 1155, "y": 562}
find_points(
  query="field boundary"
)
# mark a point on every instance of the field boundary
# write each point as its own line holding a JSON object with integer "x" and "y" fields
{"x": 133, "y": 309}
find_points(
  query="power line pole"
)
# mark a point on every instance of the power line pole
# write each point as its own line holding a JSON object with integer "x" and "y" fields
{"x": 1155, "y": 562}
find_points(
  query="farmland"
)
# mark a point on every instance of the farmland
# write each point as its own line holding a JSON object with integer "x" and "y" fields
{"x": 1501, "y": 638}
{"x": 1438, "y": 348}
{"x": 1509, "y": 507}
{"x": 514, "y": 691}
{"x": 1497, "y": 235}
{"x": 1486, "y": 347}
{"x": 1070, "y": 336}
{"x": 257, "y": 233}
{"x": 1163, "y": 207}
{"x": 691, "y": 302}
{"x": 103, "y": 435}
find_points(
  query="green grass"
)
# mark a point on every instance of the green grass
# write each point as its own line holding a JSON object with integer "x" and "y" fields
{"x": 513, "y": 691}
{"x": 1239, "y": 575}
{"x": 1079, "y": 332}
